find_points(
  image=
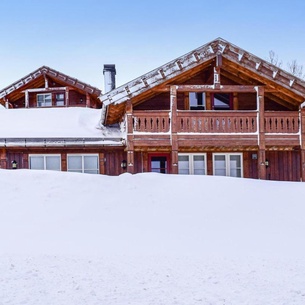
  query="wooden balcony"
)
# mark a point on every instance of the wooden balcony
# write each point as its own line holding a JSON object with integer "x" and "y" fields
{"x": 215, "y": 128}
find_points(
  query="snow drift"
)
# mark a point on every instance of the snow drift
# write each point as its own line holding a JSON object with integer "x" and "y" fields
{"x": 70, "y": 238}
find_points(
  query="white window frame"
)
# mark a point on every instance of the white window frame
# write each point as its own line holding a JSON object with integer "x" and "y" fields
{"x": 83, "y": 155}
{"x": 43, "y": 104}
{"x": 227, "y": 163}
{"x": 191, "y": 161}
{"x": 44, "y": 160}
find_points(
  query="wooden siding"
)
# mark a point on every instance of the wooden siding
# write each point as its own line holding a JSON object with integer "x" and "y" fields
{"x": 284, "y": 165}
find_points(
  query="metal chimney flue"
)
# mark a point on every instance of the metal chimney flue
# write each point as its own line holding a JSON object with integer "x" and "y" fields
{"x": 109, "y": 77}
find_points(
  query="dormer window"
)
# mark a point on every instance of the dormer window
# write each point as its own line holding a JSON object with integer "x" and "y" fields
{"x": 44, "y": 100}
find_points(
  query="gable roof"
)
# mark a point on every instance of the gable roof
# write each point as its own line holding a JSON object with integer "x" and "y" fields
{"x": 36, "y": 79}
{"x": 245, "y": 62}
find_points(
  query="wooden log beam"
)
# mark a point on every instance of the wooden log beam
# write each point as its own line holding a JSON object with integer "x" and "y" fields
{"x": 210, "y": 88}
{"x": 46, "y": 89}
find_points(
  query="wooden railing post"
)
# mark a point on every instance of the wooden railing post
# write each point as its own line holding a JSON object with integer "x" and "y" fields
{"x": 302, "y": 142}
{"x": 130, "y": 145}
{"x": 174, "y": 138}
{"x": 261, "y": 134}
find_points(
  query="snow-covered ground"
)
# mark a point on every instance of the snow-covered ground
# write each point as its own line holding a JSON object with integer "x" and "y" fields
{"x": 74, "y": 239}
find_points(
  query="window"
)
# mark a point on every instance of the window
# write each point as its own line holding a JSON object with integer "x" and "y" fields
{"x": 222, "y": 101}
{"x": 192, "y": 164}
{"x": 60, "y": 99}
{"x": 159, "y": 164}
{"x": 45, "y": 162}
{"x": 228, "y": 165}
{"x": 83, "y": 164}
{"x": 44, "y": 100}
{"x": 197, "y": 100}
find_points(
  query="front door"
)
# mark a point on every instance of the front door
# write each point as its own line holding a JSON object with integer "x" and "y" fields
{"x": 159, "y": 163}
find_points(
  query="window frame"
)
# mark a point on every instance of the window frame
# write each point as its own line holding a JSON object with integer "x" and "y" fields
{"x": 44, "y": 100}
{"x": 230, "y": 105}
{"x": 227, "y": 164}
{"x": 197, "y": 106}
{"x": 44, "y": 161}
{"x": 83, "y": 163}
{"x": 191, "y": 163}
{"x": 61, "y": 101}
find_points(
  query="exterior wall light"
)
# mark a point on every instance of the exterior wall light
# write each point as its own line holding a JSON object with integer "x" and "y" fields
{"x": 14, "y": 164}
{"x": 124, "y": 164}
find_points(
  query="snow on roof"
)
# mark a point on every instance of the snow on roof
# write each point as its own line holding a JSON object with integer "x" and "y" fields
{"x": 74, "y": 122}
{"x": 197, "y": 57}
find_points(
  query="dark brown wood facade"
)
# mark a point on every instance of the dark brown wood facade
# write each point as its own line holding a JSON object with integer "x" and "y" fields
{"x": 47, "y": 87}
{"x": 263, "y": 120}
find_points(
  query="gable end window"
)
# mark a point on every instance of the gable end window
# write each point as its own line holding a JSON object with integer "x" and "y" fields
{"x": 197, "y": 101}
{"x": 44, "y": 100}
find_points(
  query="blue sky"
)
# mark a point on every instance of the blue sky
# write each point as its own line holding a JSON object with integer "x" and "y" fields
{"x": 79, "y": 37}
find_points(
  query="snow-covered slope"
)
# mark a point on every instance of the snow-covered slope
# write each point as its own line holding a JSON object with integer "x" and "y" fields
{"x": 150, "y": 239}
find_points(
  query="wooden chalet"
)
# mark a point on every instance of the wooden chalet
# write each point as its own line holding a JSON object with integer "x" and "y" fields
{"x": 217, "y": 110}
{"x": 82, "y": 151}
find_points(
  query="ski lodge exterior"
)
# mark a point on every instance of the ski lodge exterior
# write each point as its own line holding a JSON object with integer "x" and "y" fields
{"x": 217, "y": 110}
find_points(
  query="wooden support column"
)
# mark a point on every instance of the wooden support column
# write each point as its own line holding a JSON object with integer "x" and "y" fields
{"x": 46, "y": 81}
{"x": 208, "y": 102}
{"x": 26, "y": 102}
{"x": 67, "y": 97}
{"x": 87, "y": 100}
{"x": 217, "y": 71}
{"x": 102, "y": 163}
{"x": 130, "y": 144}
{"x": 302, "y": 144}
{"x": 174, "y": 137}
{"x": 235, "y": 101}
{"x": 261, "y": 134}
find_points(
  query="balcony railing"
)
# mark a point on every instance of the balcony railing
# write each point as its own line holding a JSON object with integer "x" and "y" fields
{"x": 215, "y": 121}
{"x": 151, "y": 121}
{"x": 282, "y": 122}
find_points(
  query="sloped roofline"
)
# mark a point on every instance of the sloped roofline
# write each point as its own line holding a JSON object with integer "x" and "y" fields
{"x": 44, "y": 70}
{"x": 199, "y": 56}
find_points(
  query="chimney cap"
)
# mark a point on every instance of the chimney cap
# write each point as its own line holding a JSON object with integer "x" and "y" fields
{"x": 110, "y": 68}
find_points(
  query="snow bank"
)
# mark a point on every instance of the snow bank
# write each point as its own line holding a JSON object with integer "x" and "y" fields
{"x": 150, "y": 239}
